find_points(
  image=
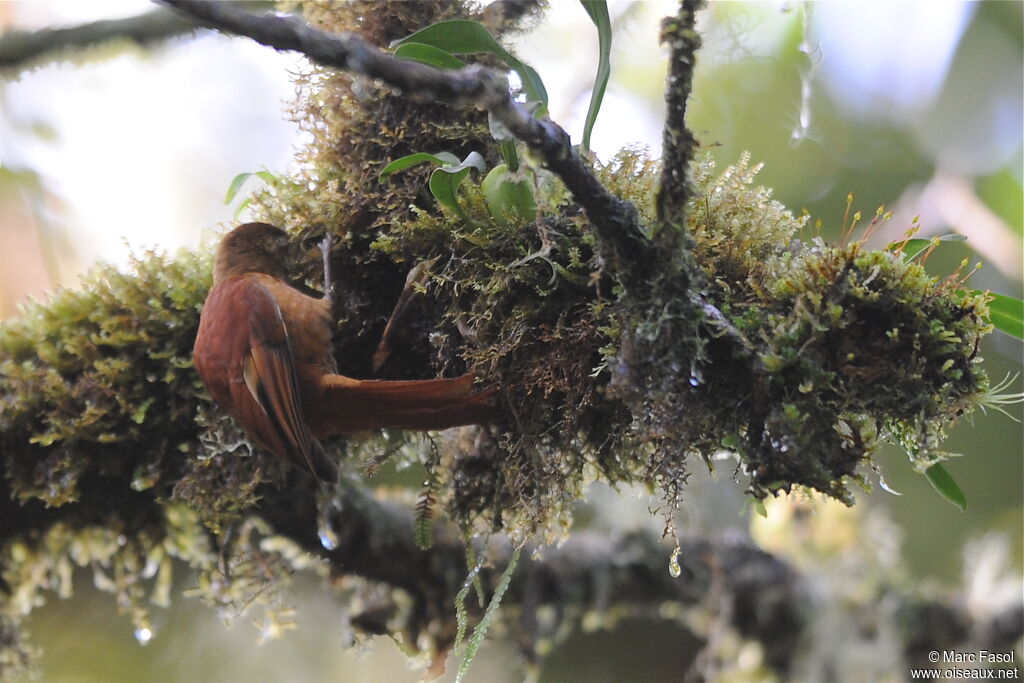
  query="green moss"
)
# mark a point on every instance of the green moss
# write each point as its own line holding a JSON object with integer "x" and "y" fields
{"x": 99, "y": 382}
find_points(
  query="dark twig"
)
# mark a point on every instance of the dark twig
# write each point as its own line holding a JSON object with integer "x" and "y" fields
{"x": 616, "y": 221}
{"x": 19, "y": 48}
{"x": 678, "y": 143}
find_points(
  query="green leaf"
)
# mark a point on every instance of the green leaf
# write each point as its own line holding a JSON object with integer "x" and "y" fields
{"x": 239, "y": 180}
{"x": 444, "y": 184}
{"x": 235, "y": 186}
{"x": 947, "y": 487}
{"x": 429, "y": 55}
{"x": 915, "y": 247}
{"x": 598, "y": 11}
{"x": 408, "y": 161}
{"x": 464, "y": 37}
{"x": 241, "y": 206}
{"x": 1007, "y": 314}
{"x": 445, "y": 180}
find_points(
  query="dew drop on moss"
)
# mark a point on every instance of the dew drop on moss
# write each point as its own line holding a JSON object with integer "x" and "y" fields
{"x": 674, "y": 570}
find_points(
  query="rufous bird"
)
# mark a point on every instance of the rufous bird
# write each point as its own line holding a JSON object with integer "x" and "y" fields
{"x": 264, "y": 352}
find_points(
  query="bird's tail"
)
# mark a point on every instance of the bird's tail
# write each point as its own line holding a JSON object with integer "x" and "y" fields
{"x": 350, "y": 405}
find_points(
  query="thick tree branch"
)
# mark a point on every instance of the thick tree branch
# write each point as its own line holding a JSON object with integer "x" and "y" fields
{"x": 19, "y": 48}
{"x": 629, "y": 570}
{"x": 616, "y": 221}
{"x": 754, "y": 592}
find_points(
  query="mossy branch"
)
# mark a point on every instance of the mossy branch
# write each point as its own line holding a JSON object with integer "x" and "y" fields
{"x": 615, "y": 221}
{"x": 21, "y": 48}
{"x": 678, "y": 143}
{"x": 797, "y": 358}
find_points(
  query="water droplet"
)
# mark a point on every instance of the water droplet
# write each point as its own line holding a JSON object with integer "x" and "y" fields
{"x": 326, "y": 504}
{"x": 696, "y": 375}
{"x": 328, "y": 539}
{"x": 143, "y": 635}
{"x": 674, "y": 570}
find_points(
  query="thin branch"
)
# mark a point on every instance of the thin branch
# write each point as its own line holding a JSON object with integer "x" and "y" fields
{"x": 21, "y": 48}
{"x": 680, "y": 34}
{"x": 616, "y": 221}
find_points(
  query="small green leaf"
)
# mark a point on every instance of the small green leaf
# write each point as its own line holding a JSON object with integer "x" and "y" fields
{"x": 408, "y": 161}
{"x": 598, "y": 11}
{"x": 429, "y": 55}
{"x": 472, "y": 160}
{"x": 1007, "y": 314}
{"x": 464, "y": 37}
{"x": 235, "y": 186}
{"x": 239, "y": 180}
{"x": 947, "y": 487}
{"x": 445, "y": 180}
{"x": 444, "y": 184}
{"x": 241, "y": 206}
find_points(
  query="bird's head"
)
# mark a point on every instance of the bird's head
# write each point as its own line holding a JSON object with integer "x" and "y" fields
{"x": 253, "y": 248}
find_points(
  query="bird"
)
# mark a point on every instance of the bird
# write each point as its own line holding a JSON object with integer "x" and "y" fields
{"x": 263, "y": 351}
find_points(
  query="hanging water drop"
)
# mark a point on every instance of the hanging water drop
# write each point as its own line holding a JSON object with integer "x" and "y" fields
{"x": 326, "y": 504}
{"x": 696, "y": 374}
{"x": 328, "y": 539}
{"x": 674, "y": 570}
{"x": 143, "y": 635}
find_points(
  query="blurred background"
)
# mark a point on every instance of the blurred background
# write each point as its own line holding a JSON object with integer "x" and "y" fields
{"x": 917, "y": 106}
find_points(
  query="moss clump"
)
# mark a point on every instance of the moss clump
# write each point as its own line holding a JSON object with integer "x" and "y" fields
{"x": 355, "y": 127}
{"x": 98, "y": 383}
{"x": 102, "y": 448}
{"x": 820, "y": 350}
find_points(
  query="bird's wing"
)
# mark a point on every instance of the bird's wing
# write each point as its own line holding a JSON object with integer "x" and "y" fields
{"x": 270, "y": 377}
